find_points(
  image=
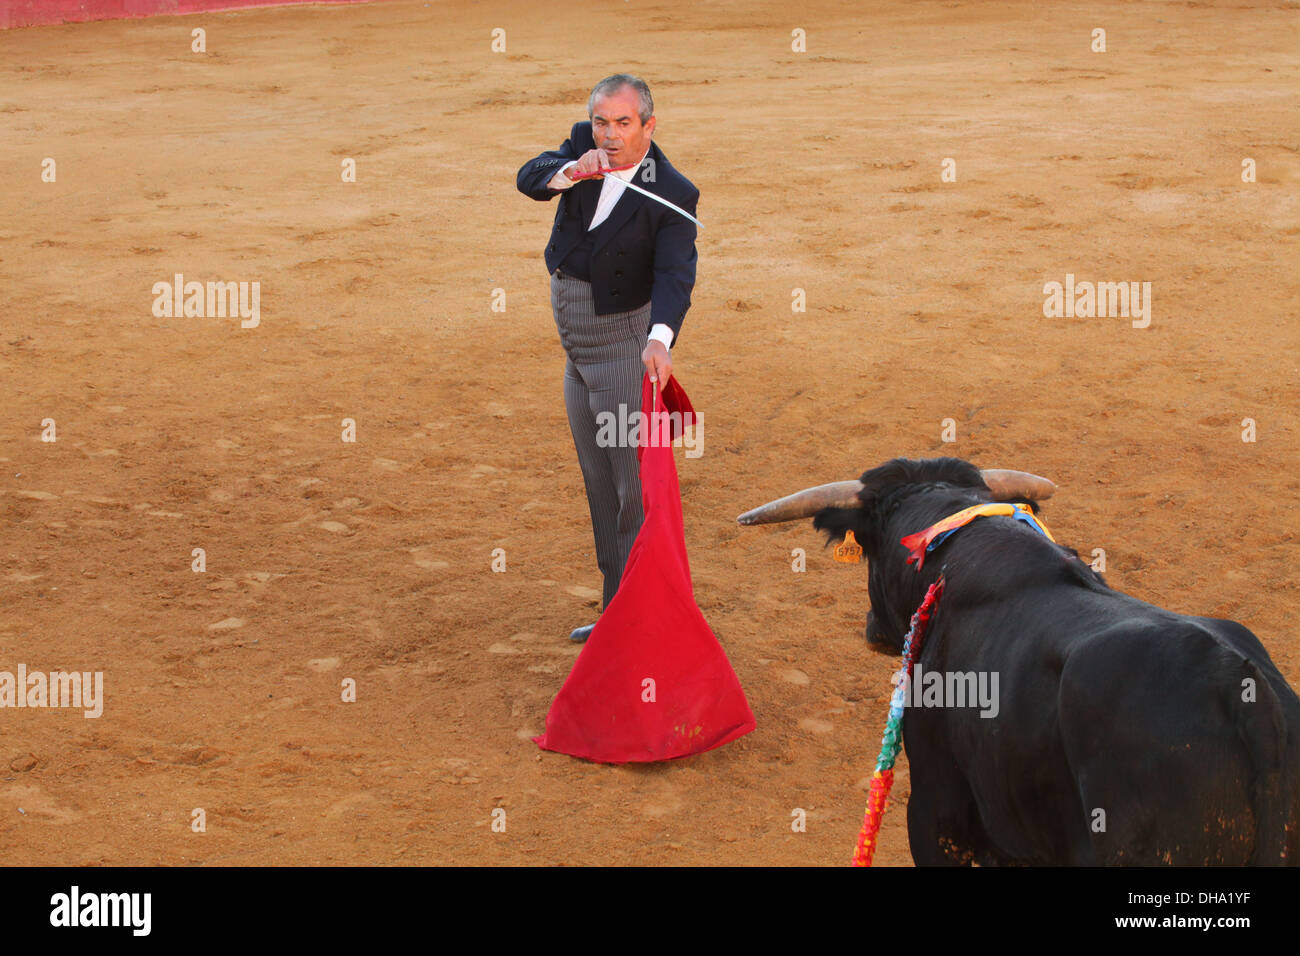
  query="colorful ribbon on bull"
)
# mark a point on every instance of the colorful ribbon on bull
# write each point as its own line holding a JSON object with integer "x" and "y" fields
{"x": 883, "y": 779}
{"x": 919, "y": 544}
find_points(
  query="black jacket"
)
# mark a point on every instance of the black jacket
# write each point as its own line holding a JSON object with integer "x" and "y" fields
{"x": 643, "y": 252}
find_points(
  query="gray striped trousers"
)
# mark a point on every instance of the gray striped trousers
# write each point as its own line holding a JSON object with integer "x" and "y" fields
{"x": 603, "y": 369}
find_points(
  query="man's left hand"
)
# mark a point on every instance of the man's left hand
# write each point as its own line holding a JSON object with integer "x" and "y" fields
{"x": 658, "y": 362}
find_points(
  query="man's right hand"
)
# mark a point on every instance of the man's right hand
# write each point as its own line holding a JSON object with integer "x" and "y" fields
{"x": 590, "y": 161}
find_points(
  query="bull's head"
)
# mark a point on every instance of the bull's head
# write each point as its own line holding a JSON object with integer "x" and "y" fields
{"x": 898, "y": 498}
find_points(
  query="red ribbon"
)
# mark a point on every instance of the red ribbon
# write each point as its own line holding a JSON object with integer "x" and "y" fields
{"x": 599, "y": 172}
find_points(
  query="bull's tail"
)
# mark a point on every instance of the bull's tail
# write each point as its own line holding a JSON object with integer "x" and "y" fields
{"x": 1262, "y": 726}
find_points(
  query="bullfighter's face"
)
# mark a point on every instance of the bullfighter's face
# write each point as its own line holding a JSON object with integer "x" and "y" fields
{"x": 618, "y": 129}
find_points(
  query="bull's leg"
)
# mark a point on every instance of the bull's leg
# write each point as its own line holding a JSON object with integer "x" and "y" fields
{"x": 873, "y": 628}
{"x": 943, "y": 825}
{"x": 923, "y": 832}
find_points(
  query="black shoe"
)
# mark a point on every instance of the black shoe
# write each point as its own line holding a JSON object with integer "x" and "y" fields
{"x": 580, "y": 634}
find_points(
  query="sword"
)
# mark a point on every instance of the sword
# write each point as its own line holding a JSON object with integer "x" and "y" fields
{"x": 643, "y": 192}
{"x": 661, "y": 199}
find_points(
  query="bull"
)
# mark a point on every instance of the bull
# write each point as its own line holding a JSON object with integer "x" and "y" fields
{"x": 1126, "y": 734}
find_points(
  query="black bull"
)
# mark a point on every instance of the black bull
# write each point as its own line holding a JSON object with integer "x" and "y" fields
{"x": 1124, "y": 734}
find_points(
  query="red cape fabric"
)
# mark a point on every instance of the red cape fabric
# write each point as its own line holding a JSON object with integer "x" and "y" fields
{"x": 652, "y": 681}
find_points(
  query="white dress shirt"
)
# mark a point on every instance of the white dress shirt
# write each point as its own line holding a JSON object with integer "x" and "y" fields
{"x": 611, "y": 189}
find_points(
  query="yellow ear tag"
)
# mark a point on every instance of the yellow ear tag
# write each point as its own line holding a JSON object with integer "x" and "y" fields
{"x": 848, "y": 551}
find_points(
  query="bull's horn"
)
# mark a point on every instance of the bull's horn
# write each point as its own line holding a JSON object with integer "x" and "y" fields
{"x": 1004, "y": 484}
{"x": 837, "y": 494}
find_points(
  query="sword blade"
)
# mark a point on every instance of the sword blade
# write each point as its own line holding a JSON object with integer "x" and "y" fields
{"x": 661, "y": 199}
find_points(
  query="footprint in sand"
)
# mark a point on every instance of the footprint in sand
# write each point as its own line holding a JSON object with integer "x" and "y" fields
{"x": 361, "y": 804}
{"x": 228, "y": 624}
{"x": 816, "y": 725}
{"x": 35, "y": 802}
{"x": 405, "y": 673}
{"x": 457, "y": 770}
{"x": 322, "y": 665}
{"x": 792, "y": 675}
{"x": 587, "y": 594}
{"x": 662, "y": 806}
{"x": 422, "y": 559}
{"x": 529, "y": 638}
{"x": 336, "y": 527}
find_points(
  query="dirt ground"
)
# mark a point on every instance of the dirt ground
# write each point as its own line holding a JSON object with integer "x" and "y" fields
{"x": 371, "y": 560}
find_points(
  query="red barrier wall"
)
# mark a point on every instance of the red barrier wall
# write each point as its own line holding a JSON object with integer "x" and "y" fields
{"x": 28, "y": 13}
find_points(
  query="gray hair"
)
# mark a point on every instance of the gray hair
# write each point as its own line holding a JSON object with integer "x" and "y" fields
{"x": 612, "y": 84}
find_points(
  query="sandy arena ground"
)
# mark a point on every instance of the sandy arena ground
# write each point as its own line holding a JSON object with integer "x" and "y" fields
{"x": 371, "y": 560}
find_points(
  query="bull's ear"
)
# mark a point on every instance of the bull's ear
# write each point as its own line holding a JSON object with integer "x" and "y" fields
{"x": 836, "y": 521}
